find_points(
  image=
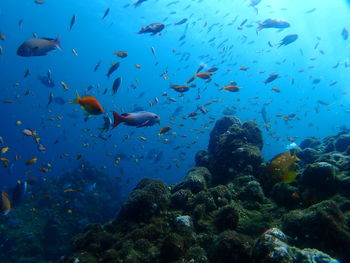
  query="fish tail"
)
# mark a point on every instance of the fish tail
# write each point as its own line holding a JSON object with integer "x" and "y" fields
{"x": 58, "y": 43}
{"x": 117, "y": 119}
{"x": 76, "y": 101}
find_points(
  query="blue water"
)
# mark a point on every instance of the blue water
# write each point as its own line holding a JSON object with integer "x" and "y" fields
{"x": 95, "y": 39}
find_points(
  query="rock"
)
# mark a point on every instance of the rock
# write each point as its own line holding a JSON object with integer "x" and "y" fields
{"x": 272, "y": 247}
{"x": 308, "y": 155}
{"x": 310, "y": 142}
{"x": 196, "y": 180}
{"x": 202, "y": 158}
{"x": 227, "y": 218}
{"x": 252, "y": 191}
{"x": 342, "y": 142}
{"x": 323, "y": 225}
{"x": 234, "y": 148}
{"x": 286, "y": 194}
{"x": 173, "y": 248}
{"x": 147, "y": 198}
{"x": 319, "y": 175}
{"x": 231, "y": 247}
{"x": 182, "y": 199}
{"x": 183, "y": 221}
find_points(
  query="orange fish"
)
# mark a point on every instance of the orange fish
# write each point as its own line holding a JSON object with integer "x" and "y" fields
{"x": 89, "y": 103}
{"x": 231, "y": 88}
{"x": 203, "y": 75}
{"x": 31, "y": 161}
{"x": 5, "y": 207}
{"x": 243, "y": 68}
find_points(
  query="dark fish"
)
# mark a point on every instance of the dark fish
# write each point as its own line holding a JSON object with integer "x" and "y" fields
{"x": 201, "y": 66}
{"x": 106, "y": 13}
{"x": 113, "y": 68}
{"x": 243, "y": 22}
{"x": 19, "y": 192}
{"x": 26, "y": 73}
{"x": 273, "y": 23}
{"x": 272, "y": 77}
{"x": 310, "y": 11}
{"x": 46, "y": 81}
{"x": 107, "y": 124}
{"x": 182, "y": 21}
{"x": 288, "y": 40}
{"x": 254, "y": 2}
{"x": 97, "y": 65}
{"x": 139, "y": 2}
{"x": 213, "y": 69}
{"x": 345, "y": 33}
{"x": 50, "y": 99}
{"x": 59, "y": 100}
{"x": 72, "y": 21}
{"x": 153, "y": 52}
{"x": 38, "y": 47}
{"x": 152, "y": 28}
{"x": 116, "y": 85}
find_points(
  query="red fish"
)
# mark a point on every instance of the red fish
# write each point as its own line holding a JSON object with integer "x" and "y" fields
{"x": 89, "y": 103}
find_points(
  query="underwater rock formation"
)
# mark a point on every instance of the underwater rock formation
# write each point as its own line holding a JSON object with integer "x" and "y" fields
{"x": 56, "y": 208}
{"x": 223, "y": 210}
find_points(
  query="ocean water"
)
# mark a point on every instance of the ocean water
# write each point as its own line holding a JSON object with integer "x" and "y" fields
{"x": 313, "y": 80}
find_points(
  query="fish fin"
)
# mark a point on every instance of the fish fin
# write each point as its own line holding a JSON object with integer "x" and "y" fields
{"x": 76, "y": 101}
{"x": 289, "y": 177}
{"x": 143, "y": 124}
{"x": 125, "y": 114}
{"x": 117, "y": 119}
{"x": 58, "y": 43}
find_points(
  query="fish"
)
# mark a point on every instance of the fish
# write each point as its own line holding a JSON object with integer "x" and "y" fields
{"x": 4, "y": 150}
{"x": 203, "y": 75}
{"x": 31, "y": 161}
{"x": 107, "y": 124}
{"x": 282, "y": 167}
{"x": 5, "y": 204}
{"x": 18, "y": 192}
{"x": 106, "y": 13}
{"x": 138, "y": 2}
{"x": 164, "y": 130}
{"x": 201, "y": 66}
{"x": 50, "y": 99}
{"x": 345, "y": 33}
{"x": 153, "y": 52}
{"x": 121, "y": 54}
{"x": 72, "y": 21}
{"x": 38, "y": 47}
{"x": 113, "y": 68}
{"x": 39, "y": 2}
{"x": 116, "y": 84}
{"x": 26, "y": 73}
{"x": 276, "y": 89}
{"x": 46, "y": 81}
{"x": 153, "y": 29}
{"x": 97, "y": 65}
{"x": 288, "y": 40}
{"x": 272, "y": 77}
{"x": 75, "y": 52}
{"x": 212, "y": 69}
{"x": 179, "y": 88}
{"x": 182, "y": 21}
{"x": 137, "y": 119}
{"x": 273, "y": 23}
{"x": 231, "y": 88}
{"x": 89, "y": 103}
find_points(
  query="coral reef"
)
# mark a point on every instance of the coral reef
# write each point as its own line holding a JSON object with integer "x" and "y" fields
{"x": 227, "y": 209}
{"x": 55, "y": 209}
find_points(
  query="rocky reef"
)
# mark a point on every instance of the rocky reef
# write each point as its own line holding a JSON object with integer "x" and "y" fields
{"x": 55, "y": 209}
{"x": 224, "y": 211}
